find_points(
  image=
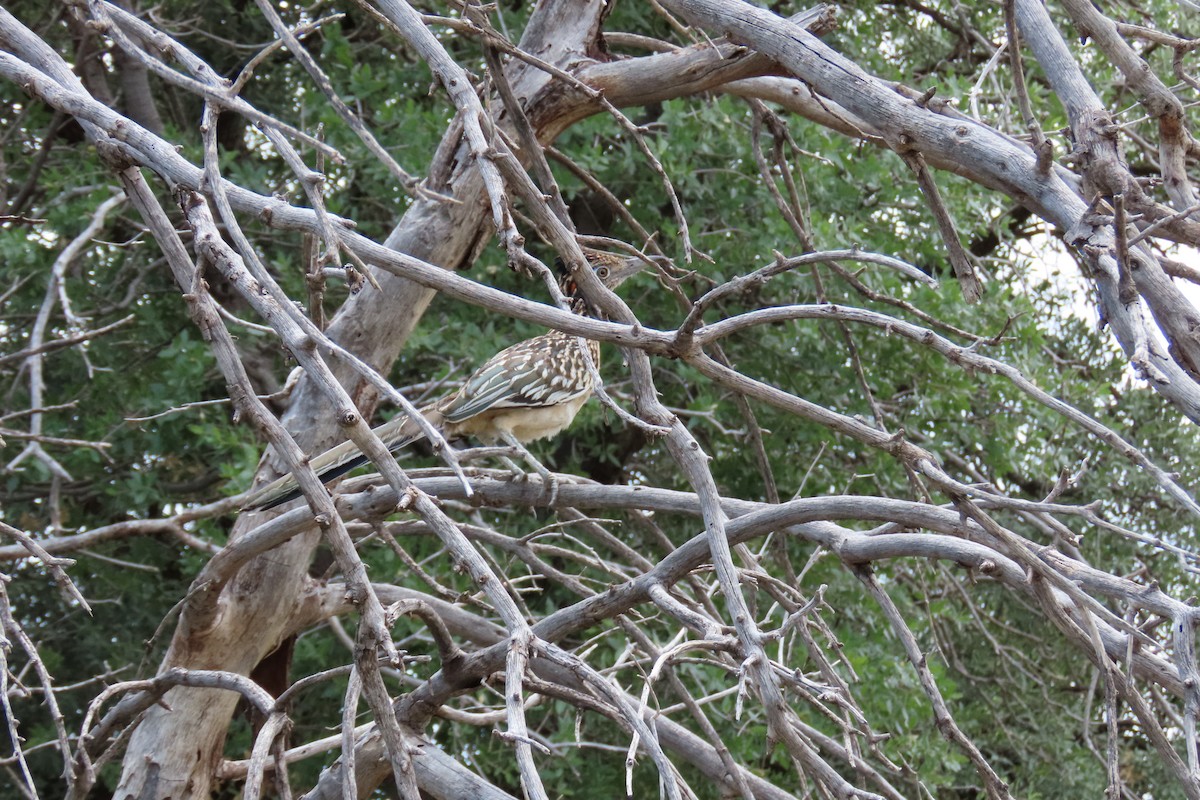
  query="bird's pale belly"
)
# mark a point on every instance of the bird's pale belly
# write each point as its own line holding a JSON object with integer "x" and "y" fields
{"x": 525, "y": 424}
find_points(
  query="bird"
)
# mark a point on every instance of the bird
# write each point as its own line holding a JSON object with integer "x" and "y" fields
{"x": 529, "y": 391}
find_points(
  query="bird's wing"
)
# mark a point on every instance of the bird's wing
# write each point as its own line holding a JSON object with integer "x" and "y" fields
{"x": 543, "y": 371}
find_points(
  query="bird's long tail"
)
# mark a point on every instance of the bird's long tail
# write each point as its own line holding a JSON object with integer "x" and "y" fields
{"x": 397, "y": 433}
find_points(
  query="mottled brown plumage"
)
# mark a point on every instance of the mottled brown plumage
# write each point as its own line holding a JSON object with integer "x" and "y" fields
{"x": 529, "y": 391}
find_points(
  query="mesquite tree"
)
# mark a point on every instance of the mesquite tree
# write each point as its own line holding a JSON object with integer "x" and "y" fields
{"x": 886, "y": 490}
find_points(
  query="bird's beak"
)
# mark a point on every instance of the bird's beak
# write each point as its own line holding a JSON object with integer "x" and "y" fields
{"x": 625, "y": 267}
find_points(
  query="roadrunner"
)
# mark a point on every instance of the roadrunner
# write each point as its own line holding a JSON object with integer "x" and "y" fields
{"x": 526, "y": 392}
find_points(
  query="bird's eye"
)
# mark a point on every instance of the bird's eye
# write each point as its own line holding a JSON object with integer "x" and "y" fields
{"x": 602, "y": 273}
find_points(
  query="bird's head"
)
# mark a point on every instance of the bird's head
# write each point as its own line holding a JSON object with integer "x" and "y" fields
{"x": 612, "y": 270}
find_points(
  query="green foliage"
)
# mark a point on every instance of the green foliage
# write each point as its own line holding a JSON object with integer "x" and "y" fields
{"x": 851, "y": 195}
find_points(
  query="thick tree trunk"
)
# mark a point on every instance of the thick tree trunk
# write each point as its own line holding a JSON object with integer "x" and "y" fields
{"x": 139, "y": 103}
{"x": 175, "y": 748}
